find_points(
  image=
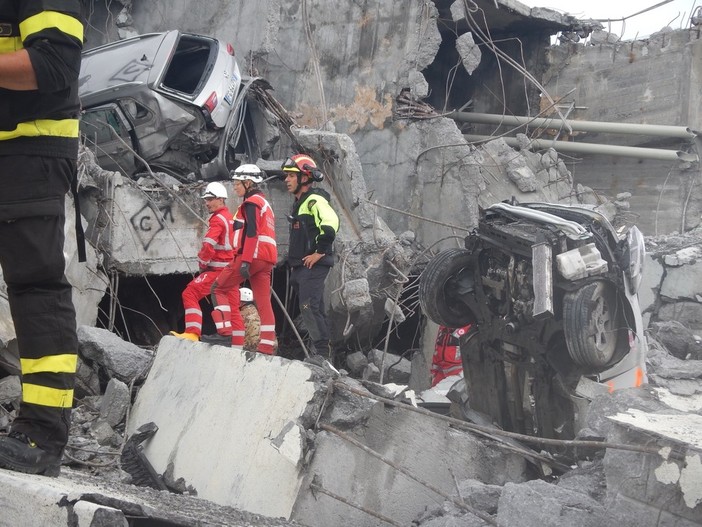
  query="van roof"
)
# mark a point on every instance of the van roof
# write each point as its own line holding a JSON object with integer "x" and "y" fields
{"x": 119, "y": 65}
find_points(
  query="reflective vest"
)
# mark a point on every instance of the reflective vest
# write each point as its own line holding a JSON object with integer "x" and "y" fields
{"x": 263, "y": 246}
{"x": 218, "y": 246}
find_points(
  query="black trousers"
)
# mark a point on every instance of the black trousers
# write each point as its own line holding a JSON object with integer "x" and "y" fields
{"x": 309, "y": 286}
{"x": 32, "y": 217}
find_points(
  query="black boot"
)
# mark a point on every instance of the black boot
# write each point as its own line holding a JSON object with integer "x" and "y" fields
{"x": 219, "y": 340}
{"x": 18, "y": 452}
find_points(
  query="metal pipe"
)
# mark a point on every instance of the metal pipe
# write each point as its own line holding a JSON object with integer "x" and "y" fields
{"x": 594, "y": 148}
{"x": 680, "y": 132}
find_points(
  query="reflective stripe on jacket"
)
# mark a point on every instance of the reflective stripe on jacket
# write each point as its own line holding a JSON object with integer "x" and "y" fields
{"x": 313, "y": 227}
{"x": 218, "y": 246}
{"x": 262, "y": 246}
{"x": 42, "y": 121}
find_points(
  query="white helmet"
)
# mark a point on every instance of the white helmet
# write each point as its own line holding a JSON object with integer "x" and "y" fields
{"x": 245, "y": 294}
{"x": 250, "y": 172}
{"x": 215, "y": 190}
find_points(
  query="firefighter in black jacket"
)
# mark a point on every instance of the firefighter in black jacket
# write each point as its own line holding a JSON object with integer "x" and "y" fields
{"x": 40, "y": 47}
{"x": 313, "y": 226}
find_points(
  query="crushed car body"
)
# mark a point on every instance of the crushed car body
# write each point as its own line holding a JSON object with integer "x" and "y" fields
{"x": 550, "y": 292}
{"x": 170, "y": 101}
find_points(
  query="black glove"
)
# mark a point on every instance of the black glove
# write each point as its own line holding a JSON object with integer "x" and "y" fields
{"x": 244, "y": 270}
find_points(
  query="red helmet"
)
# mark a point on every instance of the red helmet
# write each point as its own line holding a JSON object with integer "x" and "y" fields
{"x": 303, "y": 164}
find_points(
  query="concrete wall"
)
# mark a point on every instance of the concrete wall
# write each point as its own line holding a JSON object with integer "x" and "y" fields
{"x": 652, "y": 81}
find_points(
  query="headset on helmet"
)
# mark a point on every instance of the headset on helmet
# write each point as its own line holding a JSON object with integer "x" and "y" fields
{"x": 214, "y": 190}
{"x": 303, "y": 164}
{"x": 245, "y": 294}
{"x": 250, "y": 172}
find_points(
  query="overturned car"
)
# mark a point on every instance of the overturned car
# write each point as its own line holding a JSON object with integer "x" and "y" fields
{"x": 550, "y": 292}
{"x": 173, "y": 102}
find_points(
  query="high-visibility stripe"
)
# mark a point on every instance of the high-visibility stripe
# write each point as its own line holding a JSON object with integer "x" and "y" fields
{"x": 66, "y": 363}
{"x": 238, "y": 333}
{"x": 193, "y": 311}
{"x": 268, "y": 342}
{"x": 43, "y": 127}
{"x": 218, "y": 264}
{"x": 50, "y": 19}
{"x": 210, "y": 241}
{"x": 268, "y": 328}
{"x": 266, "y": 239}
{"x": 224, "y": 308}
{"x": 189, "y": 325}
{"x": 9, "y": 44}
{"x": 45, "y": 396}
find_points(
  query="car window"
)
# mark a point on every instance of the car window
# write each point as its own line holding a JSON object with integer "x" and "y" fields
{"x": 99, "y": 125}
{"x": 191, "y": 61}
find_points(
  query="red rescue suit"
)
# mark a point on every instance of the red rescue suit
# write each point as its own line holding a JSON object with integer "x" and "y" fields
{"x": 216, "y": 252}
{"x": 254, "y": 240}
{"x": 447, "y": 354}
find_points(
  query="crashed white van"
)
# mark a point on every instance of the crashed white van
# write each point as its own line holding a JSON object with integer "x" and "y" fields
{"x": 171, "y": 100}
{"x": 550, "y": 292}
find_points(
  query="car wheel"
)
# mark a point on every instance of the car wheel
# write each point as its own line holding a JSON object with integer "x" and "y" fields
{"x": 593, "y": 324}
{"x": 445, "y": 278}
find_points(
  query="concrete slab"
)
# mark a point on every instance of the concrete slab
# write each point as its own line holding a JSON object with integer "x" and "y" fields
{"x": 77, "y": 499}
{"x": 424, "y": 446}
{"x": 229, "y": 426}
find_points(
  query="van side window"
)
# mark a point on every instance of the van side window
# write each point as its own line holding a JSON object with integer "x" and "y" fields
{"x": 100, "y": 124}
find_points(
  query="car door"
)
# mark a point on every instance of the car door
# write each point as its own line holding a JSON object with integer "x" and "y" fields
{"x": 107, "y": 132}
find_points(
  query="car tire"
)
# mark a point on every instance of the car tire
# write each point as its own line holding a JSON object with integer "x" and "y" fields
{"x": 445, "y": 275}
{"x": 593, "y": 324}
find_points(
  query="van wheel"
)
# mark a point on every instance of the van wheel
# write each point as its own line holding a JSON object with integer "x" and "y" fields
{"x": 593, "y": 323}
{"x": 446, "y": 277}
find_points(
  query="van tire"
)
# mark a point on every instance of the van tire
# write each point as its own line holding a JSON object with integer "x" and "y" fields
{"x": 593, "y": 324}
{"x": 438, "y": 284}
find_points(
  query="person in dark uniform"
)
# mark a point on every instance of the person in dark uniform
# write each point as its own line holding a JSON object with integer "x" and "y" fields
{"x": 313, "y": 227}
{"x": 40, "y": 56}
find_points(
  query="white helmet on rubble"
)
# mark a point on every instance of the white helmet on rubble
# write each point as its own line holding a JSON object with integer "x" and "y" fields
{"x": 215, "y": 190}
{"x": 250, "y": 172}
{"x": 245, "y": 294}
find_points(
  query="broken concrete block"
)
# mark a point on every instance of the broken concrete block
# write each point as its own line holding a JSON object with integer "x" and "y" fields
{"x": 523, "y": 177}
{"x": 540, "y": 504}
{"x": 353, "y": 296}
{"x": 397, "y": 369}
{"x": 118, "y": 358}
{"x": 686, "y": 312}
{"x": 356, "y": 362}
{"x": 10, "y": 389}
{"x": 104, "y": 434}
{"x": 87, "y": 380}
{"x": 9, "y": 358}
{"x": 688, "y": 255}
{"x": 371, "y": 373}
{"x": 469, "y": 52}
{"x": 418, "y": 85}
{"x": 682, "y": 282}
{"x": 679, "y": 340}
{"x": 394, "y": 311}
{"x": 115, "y": 402}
